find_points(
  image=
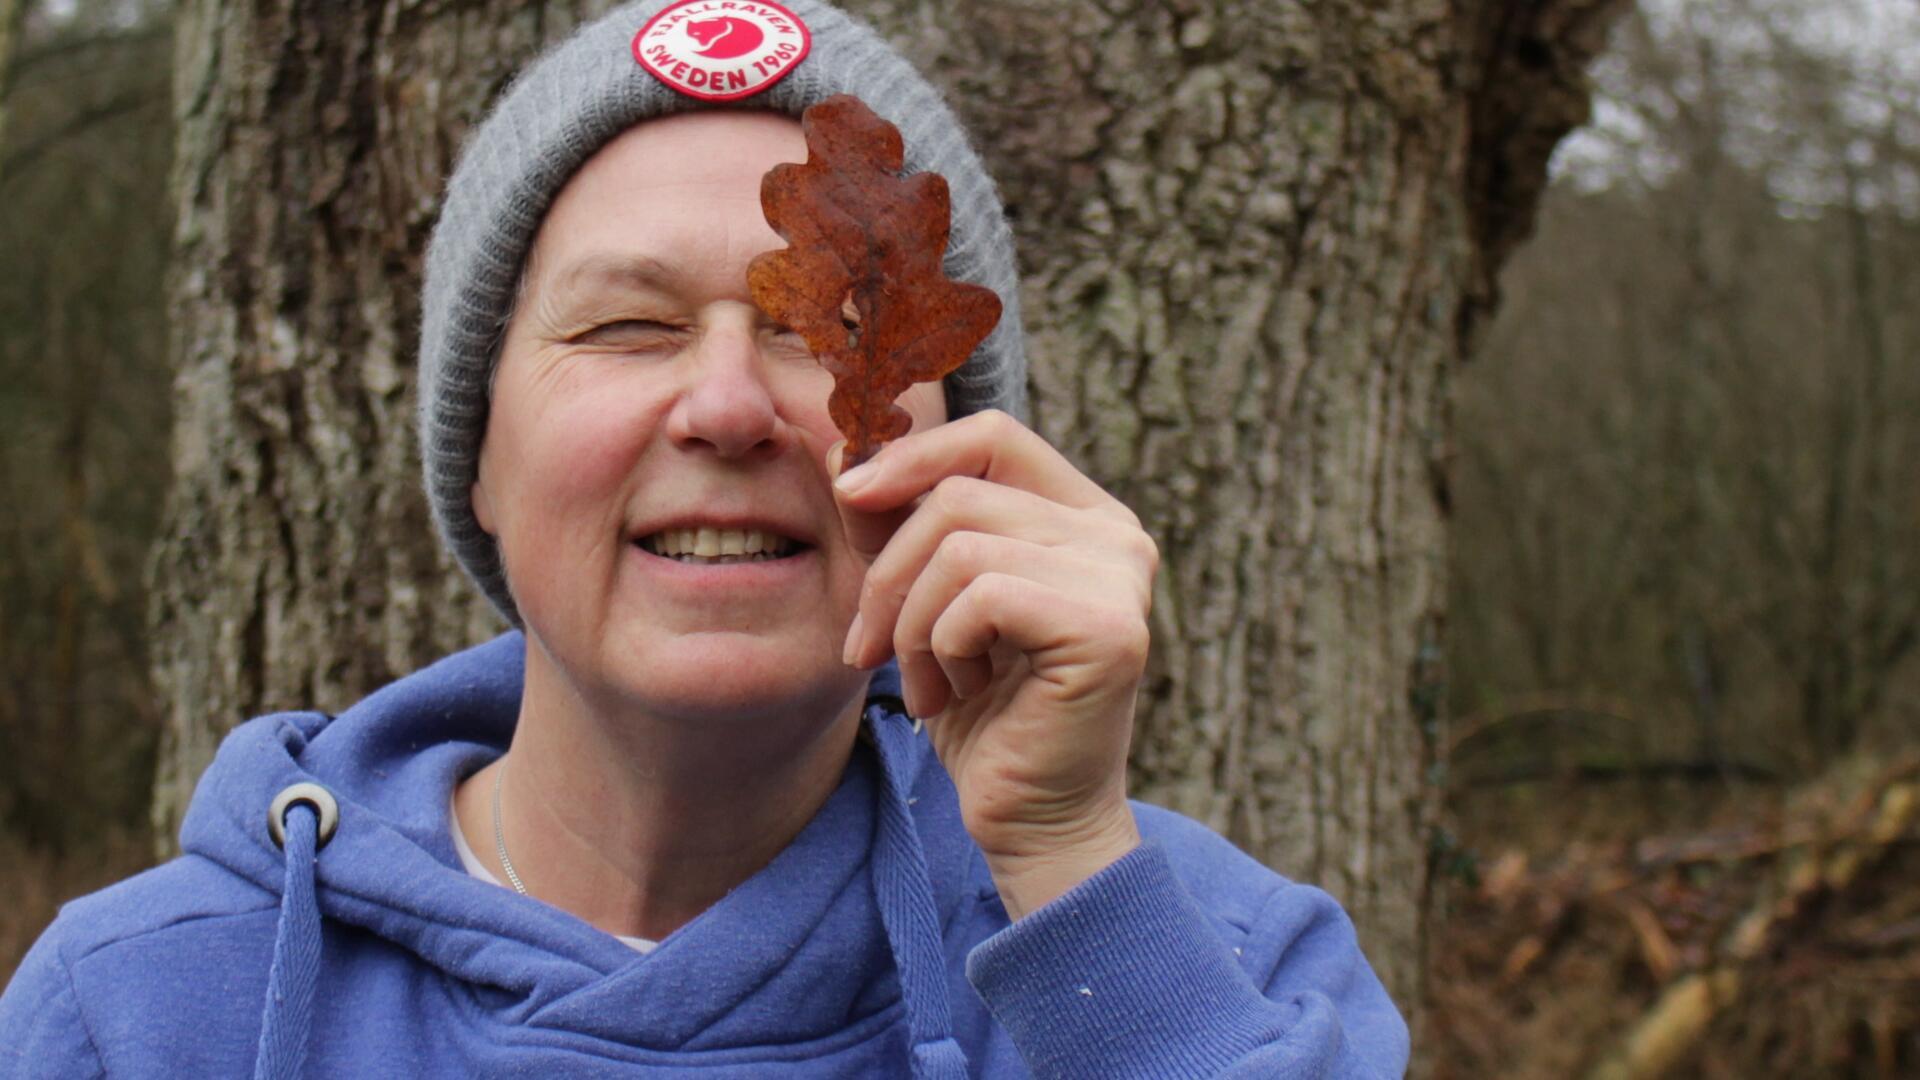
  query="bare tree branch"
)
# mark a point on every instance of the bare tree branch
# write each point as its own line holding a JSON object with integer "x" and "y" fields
{"x": 27, "y": 61}
{"x": 16, "y": 163}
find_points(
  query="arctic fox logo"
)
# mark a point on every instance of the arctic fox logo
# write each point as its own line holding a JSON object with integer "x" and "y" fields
{"x": 721, "y": 50}
{"x": 725, "y": 37}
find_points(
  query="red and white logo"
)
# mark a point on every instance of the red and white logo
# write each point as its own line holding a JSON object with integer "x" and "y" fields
{"x": 722, "y": 50}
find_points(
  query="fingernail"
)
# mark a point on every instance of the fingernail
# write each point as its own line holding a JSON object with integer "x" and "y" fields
{"x": 856, "y": 478}
{"x": 848, "y": 651}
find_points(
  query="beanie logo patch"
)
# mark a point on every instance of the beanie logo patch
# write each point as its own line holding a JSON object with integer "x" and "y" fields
{"x": 722, "y": 50}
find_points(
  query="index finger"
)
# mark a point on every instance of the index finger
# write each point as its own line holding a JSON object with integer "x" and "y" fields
{"x": 987, "y": 446}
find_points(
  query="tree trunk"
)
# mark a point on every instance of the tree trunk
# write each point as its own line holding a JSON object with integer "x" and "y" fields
{"x": 298, "y": 566}
{"x": 1257, "y": 238}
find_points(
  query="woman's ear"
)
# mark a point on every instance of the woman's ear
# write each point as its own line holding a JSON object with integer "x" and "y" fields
{"x": 482, "y": 508}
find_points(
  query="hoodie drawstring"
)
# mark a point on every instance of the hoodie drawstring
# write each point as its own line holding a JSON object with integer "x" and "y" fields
{"x": 304, "y": 816}
{"x": 302, "y": 820}
{"x": 905, "y": 897}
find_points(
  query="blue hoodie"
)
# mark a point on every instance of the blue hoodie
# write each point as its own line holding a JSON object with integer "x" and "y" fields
{"x": 874, "y": 945}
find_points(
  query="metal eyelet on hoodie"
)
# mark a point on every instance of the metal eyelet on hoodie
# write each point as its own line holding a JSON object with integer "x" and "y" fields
{"x": 890, "y": 705}
{"x": 324, "y": 807}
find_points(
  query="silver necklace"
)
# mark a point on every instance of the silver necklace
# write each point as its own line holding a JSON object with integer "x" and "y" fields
{"x": 500, "y": 836}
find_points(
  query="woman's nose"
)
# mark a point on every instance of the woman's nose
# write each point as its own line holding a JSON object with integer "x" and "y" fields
{"x": 727, "y": 405}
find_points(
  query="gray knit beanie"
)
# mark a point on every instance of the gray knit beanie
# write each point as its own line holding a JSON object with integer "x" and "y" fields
{"x": 589, "y": 89}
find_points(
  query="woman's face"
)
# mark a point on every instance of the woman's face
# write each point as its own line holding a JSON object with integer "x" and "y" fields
{"x": 651, "y": 428}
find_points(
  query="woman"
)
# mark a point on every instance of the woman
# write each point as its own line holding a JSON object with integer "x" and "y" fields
{"x": 684, "y": 820}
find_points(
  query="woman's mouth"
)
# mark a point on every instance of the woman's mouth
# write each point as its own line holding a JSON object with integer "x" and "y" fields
{"x": 714, "y": 547}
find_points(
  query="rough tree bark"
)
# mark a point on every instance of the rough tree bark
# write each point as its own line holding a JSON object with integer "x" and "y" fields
{"x": 1258, "y": 239}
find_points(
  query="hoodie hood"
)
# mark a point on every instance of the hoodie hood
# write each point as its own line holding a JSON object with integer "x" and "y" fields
{"x": 809, "y": 952}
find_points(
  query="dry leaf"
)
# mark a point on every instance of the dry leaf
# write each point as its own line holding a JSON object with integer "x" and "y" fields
{"x": 861, "y": 277}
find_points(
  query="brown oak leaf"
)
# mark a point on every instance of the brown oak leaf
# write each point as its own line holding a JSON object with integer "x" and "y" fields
{"x": 860, "y": 279}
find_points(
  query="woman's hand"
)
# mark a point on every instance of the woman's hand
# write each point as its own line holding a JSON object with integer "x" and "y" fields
{"x": 1015, "y": 593}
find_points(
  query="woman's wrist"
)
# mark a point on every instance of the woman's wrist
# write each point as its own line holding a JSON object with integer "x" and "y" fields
{"x": 1031, "y": 871}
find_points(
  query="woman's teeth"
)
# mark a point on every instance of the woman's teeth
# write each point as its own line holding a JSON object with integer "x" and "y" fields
{"x": 718, "y": 545}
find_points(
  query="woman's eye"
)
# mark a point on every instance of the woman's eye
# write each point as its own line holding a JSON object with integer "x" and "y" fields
{"x": 630, "y": 332}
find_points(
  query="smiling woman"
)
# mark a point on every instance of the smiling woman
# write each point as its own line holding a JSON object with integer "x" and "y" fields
{"x": 643, "y": 412}
{"x": 786, "y": 769}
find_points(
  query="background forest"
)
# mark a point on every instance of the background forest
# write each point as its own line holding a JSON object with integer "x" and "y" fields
{"x": 1684, "y": 602}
